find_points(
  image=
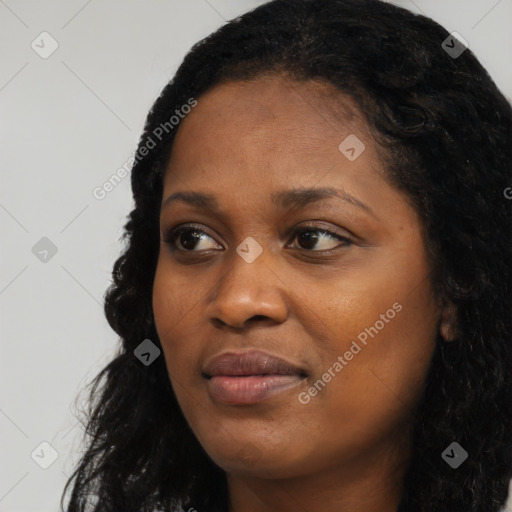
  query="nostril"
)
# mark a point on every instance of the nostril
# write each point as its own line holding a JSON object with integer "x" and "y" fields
{"x": 258, "y": 317}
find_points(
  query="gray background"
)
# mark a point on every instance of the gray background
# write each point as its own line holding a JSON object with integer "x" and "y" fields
{"x": 68, "y": 122}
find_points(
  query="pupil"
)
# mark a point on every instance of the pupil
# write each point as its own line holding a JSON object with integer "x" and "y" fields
{"x": 309, "y": 238}
{"x": 191, "y": 235}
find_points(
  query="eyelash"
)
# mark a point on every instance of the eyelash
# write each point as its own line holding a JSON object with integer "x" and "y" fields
{"x": 171, "y": 236}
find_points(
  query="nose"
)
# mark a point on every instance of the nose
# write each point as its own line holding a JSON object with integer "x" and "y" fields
{"x": 247, "y": 293}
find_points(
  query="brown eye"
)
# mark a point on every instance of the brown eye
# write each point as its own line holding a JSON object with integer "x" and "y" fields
{"x": 187, "y": 237}
{"x": 308, "y": 237}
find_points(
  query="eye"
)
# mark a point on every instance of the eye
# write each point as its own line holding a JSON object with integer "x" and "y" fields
{"x": 309, "y": 236}
{"x": 187, "y": 236}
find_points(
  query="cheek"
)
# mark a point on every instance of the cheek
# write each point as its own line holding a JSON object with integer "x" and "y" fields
{"x": 173, "y": 307}
{"x": 174, "y": 330}
{"x": 381, "y": 384}
{"x": 168, "y": 295}
{"x": 175, "y": 299}
{"x": 387, "y": 327}
{"x": 407, "y": 350}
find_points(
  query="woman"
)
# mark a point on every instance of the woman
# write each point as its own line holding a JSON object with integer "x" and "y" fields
{"x": 315, "y": 300}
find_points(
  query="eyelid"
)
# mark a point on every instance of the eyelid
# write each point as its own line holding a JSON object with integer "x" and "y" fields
{"x": 320, "y": 226}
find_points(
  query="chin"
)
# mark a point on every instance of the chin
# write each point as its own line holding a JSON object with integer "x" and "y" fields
{"x": 248, "y": 459}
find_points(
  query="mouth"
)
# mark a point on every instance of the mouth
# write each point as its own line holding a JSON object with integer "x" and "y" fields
{"x": 250, "y": 377}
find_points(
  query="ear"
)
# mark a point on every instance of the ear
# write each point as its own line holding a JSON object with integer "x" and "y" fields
{"x": 448, "y": 325}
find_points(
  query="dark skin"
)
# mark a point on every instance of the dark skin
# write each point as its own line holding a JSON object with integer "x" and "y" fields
{"x": 347, "y": 448}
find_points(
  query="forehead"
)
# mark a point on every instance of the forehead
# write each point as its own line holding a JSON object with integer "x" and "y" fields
{"x": 271, "y": 129}
{"x": 267, "y": 96}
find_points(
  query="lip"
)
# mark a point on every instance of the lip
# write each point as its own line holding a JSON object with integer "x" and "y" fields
{"x": 250, "y": 377}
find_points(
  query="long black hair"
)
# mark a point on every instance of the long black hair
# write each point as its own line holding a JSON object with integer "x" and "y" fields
{"x": 445, "y": 135}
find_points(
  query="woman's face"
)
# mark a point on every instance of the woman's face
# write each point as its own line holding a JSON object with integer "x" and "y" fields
{"x": 350, "y": 308}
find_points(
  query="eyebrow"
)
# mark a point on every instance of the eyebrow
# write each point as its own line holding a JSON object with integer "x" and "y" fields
{"x": 292, "y": 198}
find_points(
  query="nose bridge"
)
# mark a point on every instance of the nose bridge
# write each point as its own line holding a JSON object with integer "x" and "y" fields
{"x": 249, "y": 287}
